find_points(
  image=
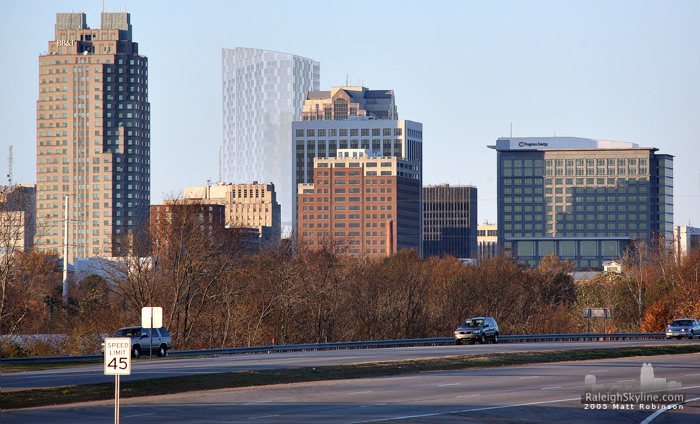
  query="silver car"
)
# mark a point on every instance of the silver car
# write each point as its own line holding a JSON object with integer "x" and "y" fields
{"x": 140, "y": 338}
{"x": 684, "y": 327}
{"x": 479, "y": 329}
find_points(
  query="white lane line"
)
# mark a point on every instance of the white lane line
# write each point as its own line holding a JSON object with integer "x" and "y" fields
{"x": 625, "y": 381}
{"x": 450, "y": 384}
{"x": 138, "y": 415}
{"x": 263, "y": 416}
{"x": 599, "y": 371}
{"x": 531, "y": 376}
{"x": 464, "y": 396}
{"x": 359, "y": 393}
{"x": 651, "y": 417}
{"x": 434, "y": 414}
{"x": 691, "y": 375}
{"x": 257, "y": 403}
{"x": 551, "y": 388}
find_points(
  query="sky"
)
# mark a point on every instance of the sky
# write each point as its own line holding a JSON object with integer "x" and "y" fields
{"x": 468, "y": 70}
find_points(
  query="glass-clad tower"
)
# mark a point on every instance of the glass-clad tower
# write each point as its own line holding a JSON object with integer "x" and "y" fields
{"x": 585, "y": 200}
{"x": 263, "y": 92}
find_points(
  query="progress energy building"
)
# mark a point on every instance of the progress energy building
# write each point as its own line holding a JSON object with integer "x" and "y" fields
{"x": 582, "y": 199}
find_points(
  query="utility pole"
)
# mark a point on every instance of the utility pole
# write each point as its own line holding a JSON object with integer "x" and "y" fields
{"x": 66, "y": 199}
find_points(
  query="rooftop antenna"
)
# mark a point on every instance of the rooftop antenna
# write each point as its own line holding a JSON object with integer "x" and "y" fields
{"x": 9, "y": 167}
{"x": 511, "y": 129}
{"x": 346, "y": 79}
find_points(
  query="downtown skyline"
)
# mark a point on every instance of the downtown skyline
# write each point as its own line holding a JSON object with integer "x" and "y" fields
{"x": 628, "y": 71}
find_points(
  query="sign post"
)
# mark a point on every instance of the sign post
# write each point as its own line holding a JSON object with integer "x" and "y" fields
{"x": 117, "y": 362}
{"x": 596, "y": 313}
{"x": 151, "y": 317}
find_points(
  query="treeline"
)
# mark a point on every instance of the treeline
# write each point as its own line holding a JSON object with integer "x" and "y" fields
{"x": 215, "y": 293}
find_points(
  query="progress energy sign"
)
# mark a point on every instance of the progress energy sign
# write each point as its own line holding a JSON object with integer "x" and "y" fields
{"x": 117, "y": 356}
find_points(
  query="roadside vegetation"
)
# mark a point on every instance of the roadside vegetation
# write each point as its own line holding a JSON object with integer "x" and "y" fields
{"x": 215, "y": 293}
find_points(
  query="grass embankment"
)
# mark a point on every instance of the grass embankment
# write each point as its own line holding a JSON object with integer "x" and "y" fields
{"x": 171, "y": 385}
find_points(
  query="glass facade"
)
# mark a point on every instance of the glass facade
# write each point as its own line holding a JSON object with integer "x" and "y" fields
{"x": 590, "y": 202}
{"x": 263, "y": 92}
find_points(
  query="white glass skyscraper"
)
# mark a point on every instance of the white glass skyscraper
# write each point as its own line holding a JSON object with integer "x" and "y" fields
{"x": 263, "y": 92}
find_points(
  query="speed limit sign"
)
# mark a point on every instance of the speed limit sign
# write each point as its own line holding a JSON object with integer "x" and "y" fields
{"x": 117, "y": 356}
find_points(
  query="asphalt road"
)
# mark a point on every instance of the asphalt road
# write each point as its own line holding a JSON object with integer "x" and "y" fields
{"x": 535, "y": 393}
{"x": 146, "y": 369}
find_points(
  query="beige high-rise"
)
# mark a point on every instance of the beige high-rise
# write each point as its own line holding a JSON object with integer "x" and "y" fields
{"x": 247, "y": 205}
{"x": 93, "y": 136}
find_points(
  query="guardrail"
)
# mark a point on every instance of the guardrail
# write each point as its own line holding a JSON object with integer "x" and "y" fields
{"x": 359, "y": 345}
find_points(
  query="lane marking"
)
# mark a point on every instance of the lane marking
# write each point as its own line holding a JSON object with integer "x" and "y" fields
{"x": 625, "y": 381}
{"x": 263, "y": 416}
{"x": 651, "y": 417}
{"x": 450, "y": 384}
{"x": 599, "y": 371}
{"x": 463, "y": 396}
{"x": 550, "y": 388}
{"x": 692, "y": 375}
{"x": 138, "y": 415}
{"x": 434, "y": 414}
{"x": 531, "y": 376}
{"x": 374, "y": 404}
{"x": 257, "y": 403}
{"x": 359, "y": 393}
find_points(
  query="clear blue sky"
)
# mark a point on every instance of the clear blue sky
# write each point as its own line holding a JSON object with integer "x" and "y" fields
{"x": 614, "y": 70}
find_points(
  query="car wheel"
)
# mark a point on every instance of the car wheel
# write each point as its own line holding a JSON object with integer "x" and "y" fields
{"x": 137, "y": 351}
{"x": 668, "y": 337}
{"x": 495, "y": 338}
{"x": 691, "y": 335}
{"x": 162, "y": 351}
{"x": 483, "y": 339}
{"x": 458, "y": 342}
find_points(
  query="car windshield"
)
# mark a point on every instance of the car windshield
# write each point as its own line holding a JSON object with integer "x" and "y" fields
{"x": 128, "y": 332}
{"x": 681, "y": 323}
{"x": 473, "y": 323}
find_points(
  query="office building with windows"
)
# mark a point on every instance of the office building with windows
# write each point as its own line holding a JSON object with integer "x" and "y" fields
{"x": 246, "y": 205}
{"x": 449, "y": 221}
{"x": 352, "y": 118}
{"x": 585, "y": 200}
{"x": 263, "y": 92}
{"x": 361, "y": 203}
{"x": 93, "y": 136}
{"x": 487, "y": 239}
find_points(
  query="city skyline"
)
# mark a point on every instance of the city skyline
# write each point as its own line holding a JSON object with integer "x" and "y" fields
{"x": 626, "y": 71}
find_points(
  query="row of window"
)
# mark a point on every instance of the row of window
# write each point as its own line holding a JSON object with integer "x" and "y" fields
{"x": 353, "y": 132}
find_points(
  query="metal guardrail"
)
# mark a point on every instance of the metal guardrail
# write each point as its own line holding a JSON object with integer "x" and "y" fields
{"x": 359, "y": 345}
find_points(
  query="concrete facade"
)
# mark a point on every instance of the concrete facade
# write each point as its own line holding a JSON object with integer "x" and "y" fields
{"x": 686, "y": 238}
{"x": 93, "y": 135}
{"x": 246, "y": 205}
{"x": 583, "y": 199}
{"x": 487, "y": 239}
{"x": 361, "y": 203}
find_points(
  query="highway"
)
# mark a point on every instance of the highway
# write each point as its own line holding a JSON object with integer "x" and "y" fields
{"x": 534, "y": 393}
{"x": 146, "y": 369}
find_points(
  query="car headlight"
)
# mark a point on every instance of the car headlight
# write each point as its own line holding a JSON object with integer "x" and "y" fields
{"x": 477, "y": 331}
{"x": 682, "y": 329}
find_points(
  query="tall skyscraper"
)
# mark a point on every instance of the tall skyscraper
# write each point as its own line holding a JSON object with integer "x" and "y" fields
{"x": 353, "y": 118}
{"x": 582, "y": 199}
{"x": 93, "y": 135}
{"x": 263, "y": 92}
{"x": 449, "y": 221}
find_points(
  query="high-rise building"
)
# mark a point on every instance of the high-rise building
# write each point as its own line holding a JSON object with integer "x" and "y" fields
{"x": 582, "y": 199}
{"x": 246, "y": 205}
{"x": 449, "y": 221}
{"x": 352, "y": 118}
{"x": 93, "y": 135}
{"x": 361, "y": 203}
{"x": 263, "y": 92}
